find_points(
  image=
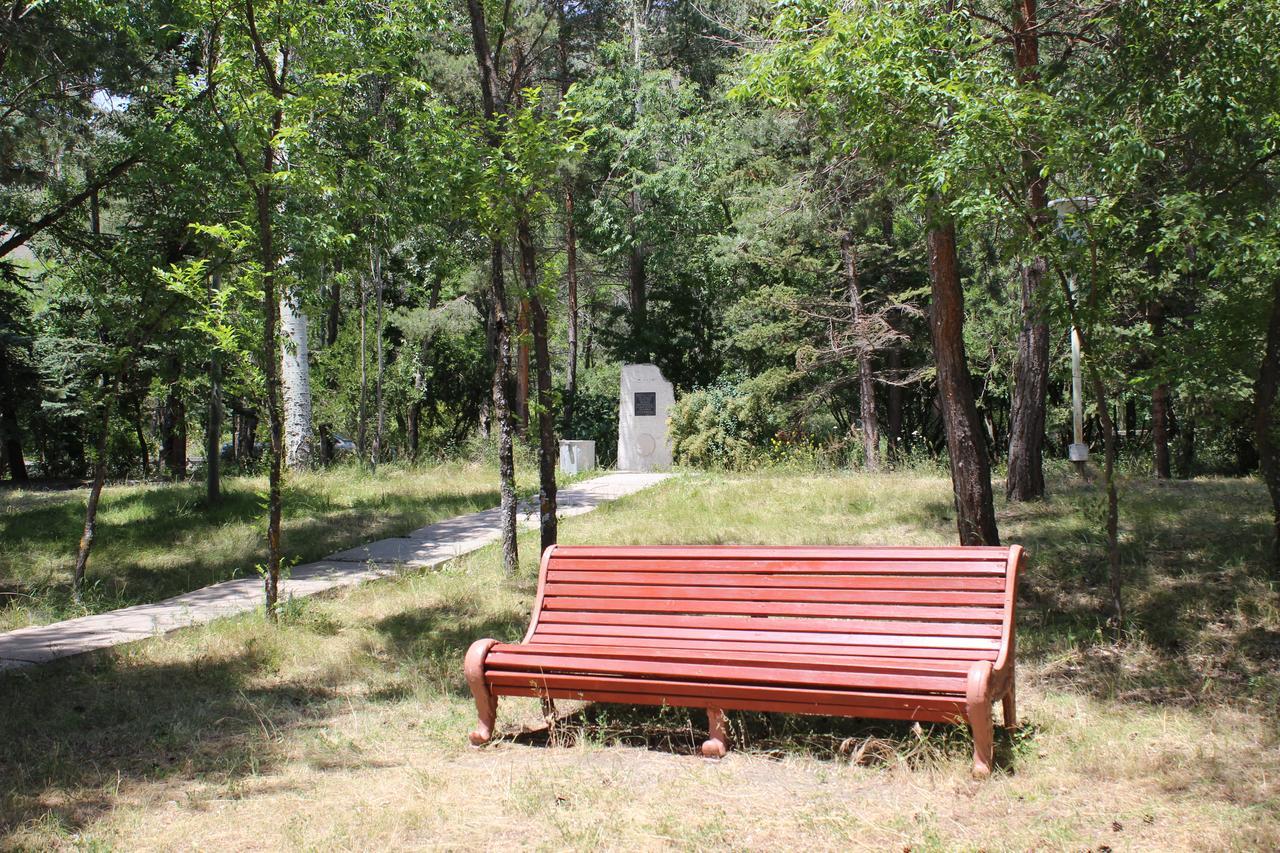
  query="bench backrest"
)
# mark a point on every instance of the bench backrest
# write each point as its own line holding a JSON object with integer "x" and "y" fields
{"x": 952, "y": 603}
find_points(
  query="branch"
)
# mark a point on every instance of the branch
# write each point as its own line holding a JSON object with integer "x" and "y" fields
{"x": 24, "y": 233}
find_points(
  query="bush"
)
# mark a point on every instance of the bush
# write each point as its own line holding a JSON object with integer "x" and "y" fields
{"x": 722, "y": 427}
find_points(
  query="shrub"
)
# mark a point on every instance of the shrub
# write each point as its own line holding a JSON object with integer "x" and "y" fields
{"x": 721, "y": 426}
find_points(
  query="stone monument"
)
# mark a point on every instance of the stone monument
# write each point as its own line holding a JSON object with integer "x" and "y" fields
{"x": 577, "y": 456}
{"x": 643, "y": 443}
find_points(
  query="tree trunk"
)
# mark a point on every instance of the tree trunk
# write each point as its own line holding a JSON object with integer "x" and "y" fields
{"x": 1186, "y": 447}
{"x": 970, "y": 468}
{"x": 213, "y": 435}
{"x": 894, "y": 405}
{"x": 270, "y": 366}
{"x": 1031, "y": 371}
{"x": 636, "y": 283}
{"x": 547, "y": 446}
{"x": 1159, "y": 399}
{"x": 245, "y": 437}
{"x": 502, "y": 364}
{"x": 570, "y": 235}
{"x": 1115, "y": 579}
{"x": 571, "y": 276}
{"x": 144, "y": 449}
{"x": 522, "y": 367}
{"x": 295, "y": 371}
{"x": 10, "y": 430}
{"x": 362, "y": 407}
{"x": 173, "y": 425}
{"x": 870, "y": 423}
{"x": 1264, "y": 421}
{"x": 636, "y": 288}
{"x": 380, "y": 422}
{"x": 95, "y": 495}
{"x": 333, "y": 318}
{"x": 413, "y": 418}
{"x": 502, "y": 412}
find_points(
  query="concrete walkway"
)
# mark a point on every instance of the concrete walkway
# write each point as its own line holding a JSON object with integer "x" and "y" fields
{"x": 428, "y": 546}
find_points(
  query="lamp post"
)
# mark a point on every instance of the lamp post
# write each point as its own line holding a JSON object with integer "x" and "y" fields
{"x": 1079, "y": 451}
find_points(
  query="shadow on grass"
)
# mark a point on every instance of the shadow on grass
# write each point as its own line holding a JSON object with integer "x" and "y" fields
{"x": 681, "y": 731}
{"x": 75, "y": 731}
{"x": 430, "y": 643}
{"x": 1196, "y": 593}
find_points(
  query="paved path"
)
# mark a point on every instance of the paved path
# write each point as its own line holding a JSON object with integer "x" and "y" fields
{"x": 428, "y": 546}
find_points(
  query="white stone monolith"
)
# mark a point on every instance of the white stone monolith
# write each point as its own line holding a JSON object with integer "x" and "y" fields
{"x": 643, "y": 441}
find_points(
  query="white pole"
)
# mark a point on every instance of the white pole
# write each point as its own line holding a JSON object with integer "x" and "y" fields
{"x": 1079, "y": 451}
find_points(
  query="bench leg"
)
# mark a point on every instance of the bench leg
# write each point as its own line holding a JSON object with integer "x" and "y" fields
{"x": 978, "y": 710}
{"x": 486, "y": 702}
{"x": 716, "y": 745}
{"x": 1010, "y": 704}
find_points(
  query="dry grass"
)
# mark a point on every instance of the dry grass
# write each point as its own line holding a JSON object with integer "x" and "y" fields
{"x": 346, "y": 727}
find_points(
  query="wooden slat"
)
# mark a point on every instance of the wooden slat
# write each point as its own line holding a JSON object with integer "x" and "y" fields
{"x": 760, "y": 580}
{"x": 735, "y": 674}
{"x": 787, "y": 552}
{"x": 775, "y": 636}
{"x": 728, "y": 648}
{"x": 781, "y": 566}
{"x": 944, "y": 614}
{"x": 834, "y": 596}
{"x": 588, "y": 684}
{"x": 678, "y": 700}
{"x": 548, "y": 653}
{"x": 767, "y": 623}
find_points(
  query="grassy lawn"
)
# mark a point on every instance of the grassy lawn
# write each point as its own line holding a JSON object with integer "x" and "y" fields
{"x": 346, "y": 727}
{"x": 155, "y": 541}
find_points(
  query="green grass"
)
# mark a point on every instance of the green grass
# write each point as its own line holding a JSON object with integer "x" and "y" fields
{"x": 155, "y": 541}
{"x": 346, "y": 727}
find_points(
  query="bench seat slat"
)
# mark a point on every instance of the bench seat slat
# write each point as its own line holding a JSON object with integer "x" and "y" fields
{"x": 891, "y": 640}
{"x": 740, "y": 673}
{"x": 994, "y": 600}
{"x": 548, "y": 653}
{"x": 772, "y": 623}
{"x": 729, "y": 648}
{"x": 790, "y": 553}
{"x": 674, "y": 687}
{"x": 775, "y": 609}
{"x": 678, "y": 700}
{"x": 782, "y": 566}
{"x": 792, "y": 580}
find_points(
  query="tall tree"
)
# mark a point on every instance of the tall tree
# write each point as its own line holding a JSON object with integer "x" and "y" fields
{"x": 489, "y": 87}
{"x": 1025, "y": 479}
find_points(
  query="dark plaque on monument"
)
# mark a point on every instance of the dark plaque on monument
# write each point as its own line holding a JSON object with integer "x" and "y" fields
{"x": 646, "y": 404}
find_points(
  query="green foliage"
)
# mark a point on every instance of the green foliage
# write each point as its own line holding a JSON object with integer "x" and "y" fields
{"x": 722, "y": 427}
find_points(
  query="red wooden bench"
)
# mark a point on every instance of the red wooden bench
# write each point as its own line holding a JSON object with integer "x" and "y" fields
{"x": 895, "y": 633}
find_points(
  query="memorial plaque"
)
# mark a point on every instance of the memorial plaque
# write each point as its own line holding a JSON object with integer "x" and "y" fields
{"x": 646, "y": 404}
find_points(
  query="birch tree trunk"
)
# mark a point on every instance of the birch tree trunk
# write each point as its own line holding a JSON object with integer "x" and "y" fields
{"x": 295, "y": 375}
